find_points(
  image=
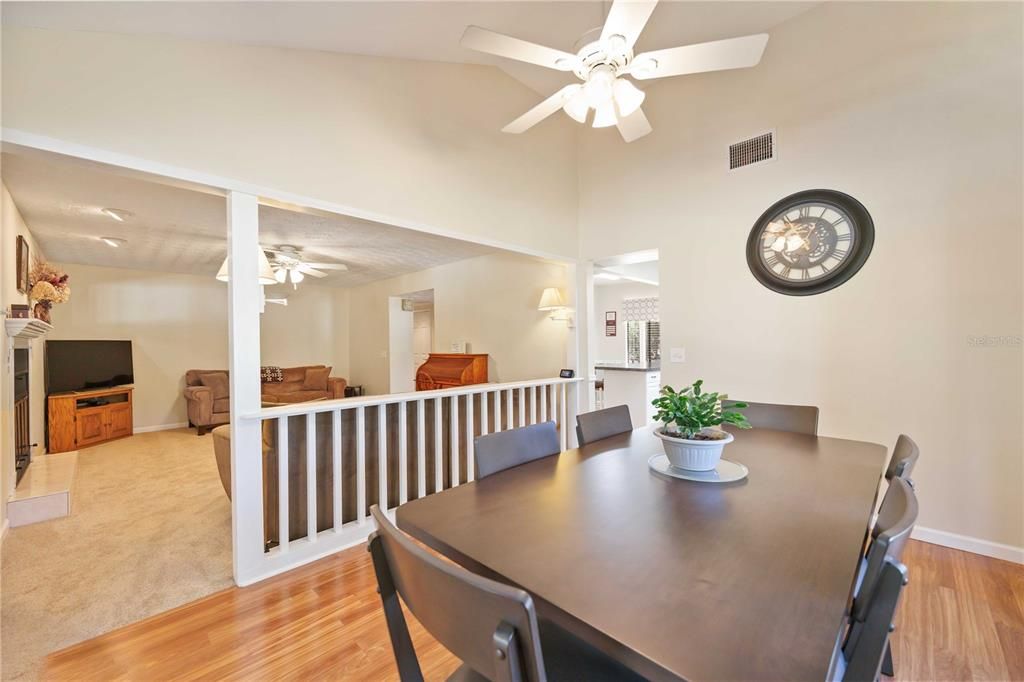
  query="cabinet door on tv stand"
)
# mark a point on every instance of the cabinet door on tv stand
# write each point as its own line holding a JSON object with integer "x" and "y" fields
{"x": 92, "y": 426}
{"x": 120, "y": 420}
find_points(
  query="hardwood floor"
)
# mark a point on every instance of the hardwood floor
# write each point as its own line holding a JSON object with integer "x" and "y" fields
{"x": 962, "y": 619}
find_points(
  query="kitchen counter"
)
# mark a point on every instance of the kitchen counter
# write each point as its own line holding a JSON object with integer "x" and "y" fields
{"x": 623, "y": 367}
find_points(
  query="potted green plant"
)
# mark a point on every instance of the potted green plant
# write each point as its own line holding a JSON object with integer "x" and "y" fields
{"x": 689, "y": 416}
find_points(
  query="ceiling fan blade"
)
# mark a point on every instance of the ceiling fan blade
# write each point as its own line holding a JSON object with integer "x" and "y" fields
{"x": 627, "y": 18}
{"x": 306, "y": 270}
{"x": 328, "y": 266}
{"x": 483, "y": 40}
{"x": 542, "y": 110}
{"x": 634, "y": 126}
{"x": 719, "y": 55}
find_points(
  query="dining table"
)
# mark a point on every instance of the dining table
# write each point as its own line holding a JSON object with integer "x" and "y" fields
{"x": 676, "y": 579}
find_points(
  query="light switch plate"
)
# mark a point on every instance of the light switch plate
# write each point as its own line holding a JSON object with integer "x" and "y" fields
{"x": 678, "y": 355}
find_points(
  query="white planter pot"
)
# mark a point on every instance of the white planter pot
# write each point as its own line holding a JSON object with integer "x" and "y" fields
{"x": 693, "y": 455}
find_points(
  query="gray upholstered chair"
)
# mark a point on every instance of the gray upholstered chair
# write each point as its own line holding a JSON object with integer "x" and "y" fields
{"x": 794, "y": 418}
{"x": 866, "y": 649}
{"x": 490, "y": 626}
{"x": 599, "y": 424}
{"x": 499, "y": 451}
{"x": 904, "y": 457}
{"x": 896, "y": 519}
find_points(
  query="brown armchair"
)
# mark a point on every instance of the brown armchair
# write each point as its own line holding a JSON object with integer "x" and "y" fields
{"x": 205, "y": 409}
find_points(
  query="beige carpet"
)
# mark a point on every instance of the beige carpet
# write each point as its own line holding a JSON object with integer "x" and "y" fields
{"x": 150, "y": 529}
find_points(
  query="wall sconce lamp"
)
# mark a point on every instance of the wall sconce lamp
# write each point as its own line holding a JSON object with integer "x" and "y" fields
{"x": 551, "y": 301}
{"x": 266, "y": 273}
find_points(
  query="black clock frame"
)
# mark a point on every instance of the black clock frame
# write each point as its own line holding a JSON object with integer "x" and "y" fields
{"x": 863, "y": 227}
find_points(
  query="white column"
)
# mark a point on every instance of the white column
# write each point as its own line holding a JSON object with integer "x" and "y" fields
{"x": 244, "y": 355}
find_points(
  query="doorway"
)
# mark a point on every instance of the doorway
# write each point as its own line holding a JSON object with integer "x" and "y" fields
{"x": 410, "y": 337}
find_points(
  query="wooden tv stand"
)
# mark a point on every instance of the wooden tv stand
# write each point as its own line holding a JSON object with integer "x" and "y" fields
{"x": 80, "y": 418}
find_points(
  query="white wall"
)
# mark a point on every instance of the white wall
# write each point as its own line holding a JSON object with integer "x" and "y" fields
{"x": 609, "y": 298}
{"x": 490, "y": 301}
{"x": 179, "y": 322}
{"x": 915, "y": 109}
{"x": 389, "y": 136}
{"x": 11, "y": 227}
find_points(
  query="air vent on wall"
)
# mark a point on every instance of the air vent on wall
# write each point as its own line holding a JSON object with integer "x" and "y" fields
{"x": 754, "y": 150}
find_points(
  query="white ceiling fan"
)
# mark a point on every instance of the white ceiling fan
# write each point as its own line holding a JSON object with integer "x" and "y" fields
{"x": 603, "y": 61}
{"x": 289, "y": 264}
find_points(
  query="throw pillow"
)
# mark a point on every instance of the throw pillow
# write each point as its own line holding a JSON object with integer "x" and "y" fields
{"x": 218, "y": 382}
{"x": 316, "y": 379}
{"x": 271, "y": 375}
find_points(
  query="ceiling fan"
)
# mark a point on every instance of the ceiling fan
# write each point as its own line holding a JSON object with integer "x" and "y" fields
{"x": 603, "y": 61}
{"x": 289, "y": 264}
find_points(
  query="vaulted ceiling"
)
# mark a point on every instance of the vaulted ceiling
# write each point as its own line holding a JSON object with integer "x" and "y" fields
{"x": 408, "y": 30}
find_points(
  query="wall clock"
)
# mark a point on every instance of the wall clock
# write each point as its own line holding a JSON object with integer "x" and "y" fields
{"x": 810, "y": 242}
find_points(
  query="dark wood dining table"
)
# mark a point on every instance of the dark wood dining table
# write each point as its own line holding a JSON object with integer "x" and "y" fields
{"x": 676, "y": 579}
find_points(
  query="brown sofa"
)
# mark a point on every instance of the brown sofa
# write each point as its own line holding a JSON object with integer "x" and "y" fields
{"x": 206, "y": 409}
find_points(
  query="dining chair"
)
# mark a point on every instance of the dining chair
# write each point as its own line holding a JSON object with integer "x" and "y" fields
{"x": 794, "y": 418}
{"x": 904, "y": 457}
{"x": 499, "y": 451}
{"x": 896, "y": 519}
{"x": 591, "y": 426}
{"x": 490, "y": 626}
{"x": 863, "y": 655}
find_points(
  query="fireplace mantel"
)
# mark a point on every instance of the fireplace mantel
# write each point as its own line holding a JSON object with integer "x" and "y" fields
{"x": 26, "y": 327}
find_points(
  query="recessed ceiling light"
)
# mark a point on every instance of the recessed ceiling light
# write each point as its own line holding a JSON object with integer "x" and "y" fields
{"x": 118, "y": 214}
{"x": 606, "y": 275}
{"x": 113, "y": 241}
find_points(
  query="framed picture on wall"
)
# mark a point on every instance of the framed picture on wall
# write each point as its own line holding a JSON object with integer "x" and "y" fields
{"x": 22, "y": 263}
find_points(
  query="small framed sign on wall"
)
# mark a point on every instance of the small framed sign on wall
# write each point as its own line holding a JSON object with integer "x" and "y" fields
{"x": 22, "y": 264}
{"x": 609, "y": 323}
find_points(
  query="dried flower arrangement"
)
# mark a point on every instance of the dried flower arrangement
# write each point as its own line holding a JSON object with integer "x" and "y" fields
{"x": 47, "y": 285}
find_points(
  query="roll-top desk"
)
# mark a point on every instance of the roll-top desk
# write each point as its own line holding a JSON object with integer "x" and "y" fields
{"x": 445, "y": 370}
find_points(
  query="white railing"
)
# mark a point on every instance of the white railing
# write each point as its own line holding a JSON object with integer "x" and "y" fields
{"x": 322, "y": 464}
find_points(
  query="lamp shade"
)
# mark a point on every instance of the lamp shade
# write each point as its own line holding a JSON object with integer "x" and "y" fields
{"x": 266, "y": 274}
{"x": 551, "y": 299}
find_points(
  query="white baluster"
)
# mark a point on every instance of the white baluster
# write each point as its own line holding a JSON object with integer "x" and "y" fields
{"x": 382, "y": 457}
{"x": 509, "y": 424}
{"x": 533, "y": 404}
{"x": 522, "y": 406}
{"x": 453, "y": 437}
{"x": 282, "y": 484}
{"x": 544, "y": 403}
{"x": 438, "y": 448}
{"x": 562, "y": 425}
{"x": 469, "y": 438}
{"x": 485, "y": 412}
{"x": 421, "y": 449}
{"x": 403, "y": 436}
{"x": 337, "y": 487}
{"x": 360, "y": 464}
{"x": 311, "y": 477}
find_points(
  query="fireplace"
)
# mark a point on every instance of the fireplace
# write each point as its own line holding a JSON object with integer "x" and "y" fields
{"x": 22, "y": 422}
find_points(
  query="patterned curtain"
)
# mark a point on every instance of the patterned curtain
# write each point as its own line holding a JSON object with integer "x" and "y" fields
{"x": 640, "y": 309}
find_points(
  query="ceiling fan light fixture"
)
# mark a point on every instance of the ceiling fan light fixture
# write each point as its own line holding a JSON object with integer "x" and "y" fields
{"x": 577, "y": 107}
{"x": 281, "y": 275}
{"x": 297, "y": 276}
{"x": 628, "y": 97}
{"x": 604, "y": 116}
{"x": 598, "y": 88}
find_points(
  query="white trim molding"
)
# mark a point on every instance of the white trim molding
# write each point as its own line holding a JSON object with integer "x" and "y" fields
{"x": 966, "y": 543}
{"x": 159, "y": 427}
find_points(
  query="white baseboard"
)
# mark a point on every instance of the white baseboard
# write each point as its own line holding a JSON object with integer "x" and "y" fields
{"x": 159, "y": 427}
{"x": 968, "y": 544}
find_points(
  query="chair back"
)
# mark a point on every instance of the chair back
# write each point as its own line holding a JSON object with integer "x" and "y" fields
{"x": 492, "y": 627}
{"x": 499, "y": 451}
{"x": 896, "y": 519}
{"x": 794, "y": 418}
{"x": 599, "y": 424}
{"x": 904, "y": 457}
{"x": 865, "y": 648}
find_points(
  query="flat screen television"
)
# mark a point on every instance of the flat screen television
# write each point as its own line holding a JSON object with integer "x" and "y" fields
{"x": 84, "y": 365}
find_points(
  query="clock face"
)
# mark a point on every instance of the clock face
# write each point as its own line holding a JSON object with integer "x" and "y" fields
{"x": 810, "y": 242}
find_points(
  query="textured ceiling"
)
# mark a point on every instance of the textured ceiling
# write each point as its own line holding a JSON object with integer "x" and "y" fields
{"x": 178, "y": 230}
{"x": 410, "y": 30}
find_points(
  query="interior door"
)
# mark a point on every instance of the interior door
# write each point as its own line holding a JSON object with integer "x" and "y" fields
{"x": 91, "y": 426}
